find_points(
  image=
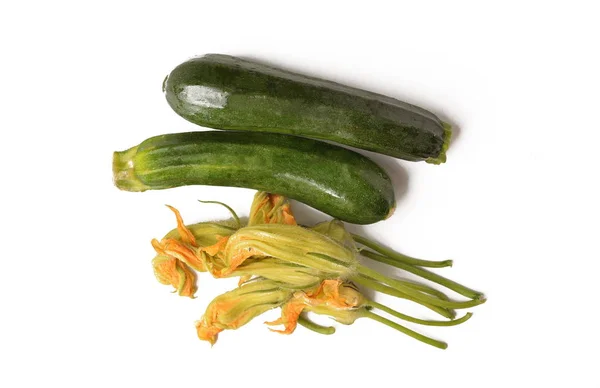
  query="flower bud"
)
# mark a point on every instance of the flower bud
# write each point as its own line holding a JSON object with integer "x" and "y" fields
{"x": 270, "y": 209}
{"x": 289, "y": 243}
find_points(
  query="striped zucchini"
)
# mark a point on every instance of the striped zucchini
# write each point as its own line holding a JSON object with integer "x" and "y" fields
{"x": 335, "y": 180}
{"x": 225, "y": 92}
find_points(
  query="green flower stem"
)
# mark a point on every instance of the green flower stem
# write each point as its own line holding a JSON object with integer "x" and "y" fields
{"x": 425, "y": 322}
{"x": 400, "y": 286}
{"x": 327, "y": 330}
{"x": 425, "y": 289}
{"x": 398, "y": 256}
{"x": 233, "y": 213}
{"x": 367, "y": 282}
{"x": 425, "y": 274}
{"x": 405, "y": 330}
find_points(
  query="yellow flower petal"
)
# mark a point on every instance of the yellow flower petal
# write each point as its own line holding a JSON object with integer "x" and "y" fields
{"x": 290, "y": 313}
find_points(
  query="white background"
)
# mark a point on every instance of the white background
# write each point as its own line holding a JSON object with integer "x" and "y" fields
{"x": 516, "y": 206}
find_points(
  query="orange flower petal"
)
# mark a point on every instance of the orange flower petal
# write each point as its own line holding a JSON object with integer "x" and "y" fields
{"x": 328, "y": 293}
{"x": 185, "y": 234}
{"x": 326, "y": 297}
{"x": 212, "y": 323}
{"x": 270, "y": 209}
{"x": 184, "y": 253}
{"x": 217, "y": 248}
{"x": 288, "y": 217}
{"x": 158, "y": 247}
{"x": 170, "y": 271}
{"x": 240, "y": 256}
{"x": 290, "y": 312}
{"x": 206, "y": 332}
{"x": 178, "y": 250}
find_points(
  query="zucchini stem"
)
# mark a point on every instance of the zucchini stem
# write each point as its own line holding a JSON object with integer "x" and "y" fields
{"x": 123, "y": 171}
{"x": 441, "y": 158}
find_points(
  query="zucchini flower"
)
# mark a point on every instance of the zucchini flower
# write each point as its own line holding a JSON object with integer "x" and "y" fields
{"x": 200, "y": 246}
{"x": 170, "y": 271}
{"x": 308, "y": 248}
{"x": 287, "y": 274}
{"x": 335, "y": 229}
{"x": 333, "y": 297}
{"x": 270, "y": 209}
{"x": 300, "y": 269}
{"x": 184, "y": 249}
{"x": 292, "y": 244}
{"x": 235, "y": 308}
{"x": 266, "y": 209}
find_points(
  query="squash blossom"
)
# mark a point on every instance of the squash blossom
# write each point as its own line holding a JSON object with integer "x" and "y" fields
{"x": 270, "y": 209}
{"x": 341, "y": 301}
{"x": 198, "y": 246}
{"x": 184, "y": 249}
{"x": 235, "y": 308}
{"x": 300, "y": 269}
{"x": 292, "y": 244}
{"x": 307, "y": 248}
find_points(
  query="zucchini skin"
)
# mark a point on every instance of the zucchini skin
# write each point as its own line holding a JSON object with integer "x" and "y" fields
{"x": 335, "y": 180}
{"x": 225, "y": 92}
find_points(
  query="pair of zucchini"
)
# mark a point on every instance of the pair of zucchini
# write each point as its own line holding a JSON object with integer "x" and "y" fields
{"x": 224, "y": 92}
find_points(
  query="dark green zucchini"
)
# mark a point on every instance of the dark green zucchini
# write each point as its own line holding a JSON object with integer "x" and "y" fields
{"x": 335, "y": 180}
{"x": 225, "y": 92}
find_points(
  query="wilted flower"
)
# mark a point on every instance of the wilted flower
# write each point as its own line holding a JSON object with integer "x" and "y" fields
{"x": 270, "y": 209}
{"x": 291, "y": 275}
{"x": 180, "y": 249}
{"x": 235, "y": 308}
{"x": 299, "y": 269}
{"x": 339, "y": 300}
{"x": 170, "y": 271}
{"x": 290, "y": 243}
{"x": 201, "y": 246}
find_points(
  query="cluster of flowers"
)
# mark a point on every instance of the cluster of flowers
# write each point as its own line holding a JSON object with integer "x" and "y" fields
{"x": 299, "y": 269}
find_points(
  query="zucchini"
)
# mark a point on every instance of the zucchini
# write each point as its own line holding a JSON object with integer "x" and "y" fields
{"x": 335, "y": 180}
{"x": 225, "y": 92}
